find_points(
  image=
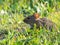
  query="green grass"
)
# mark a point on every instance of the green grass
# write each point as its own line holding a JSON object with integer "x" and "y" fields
{"x": 19, "y": 33}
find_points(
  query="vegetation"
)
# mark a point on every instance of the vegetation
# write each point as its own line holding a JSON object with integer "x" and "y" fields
{"x": 12, "y": 13}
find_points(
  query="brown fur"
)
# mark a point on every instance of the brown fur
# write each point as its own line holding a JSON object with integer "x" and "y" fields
{"x": 40, "y": 22}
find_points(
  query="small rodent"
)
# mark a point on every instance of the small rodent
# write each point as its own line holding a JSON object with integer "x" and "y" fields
{"x": 43, "y": 22}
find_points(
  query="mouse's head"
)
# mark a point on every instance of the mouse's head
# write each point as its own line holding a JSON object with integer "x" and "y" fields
{"x": 31, "y": 20}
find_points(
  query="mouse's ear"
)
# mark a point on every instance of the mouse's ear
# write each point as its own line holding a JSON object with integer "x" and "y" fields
{"x": 36, "y": 15}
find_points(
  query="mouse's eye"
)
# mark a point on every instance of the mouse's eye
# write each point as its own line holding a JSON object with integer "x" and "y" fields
{"x": 28, "y": 18}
